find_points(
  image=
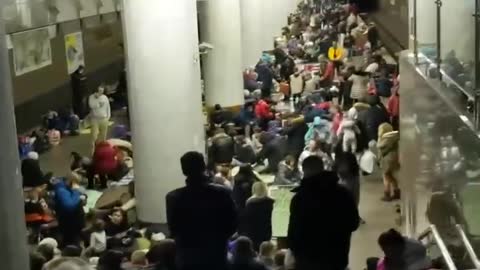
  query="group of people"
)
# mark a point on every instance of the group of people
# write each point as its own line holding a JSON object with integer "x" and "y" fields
{"x": 312, "y": 130}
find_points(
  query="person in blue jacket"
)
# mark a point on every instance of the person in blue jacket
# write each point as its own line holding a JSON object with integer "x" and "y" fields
{"x": 69, "y": 203}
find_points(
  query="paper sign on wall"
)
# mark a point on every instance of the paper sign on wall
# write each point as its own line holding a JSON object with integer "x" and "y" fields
{"x": 74, "y": 51}
{"x": 31, "y": 50}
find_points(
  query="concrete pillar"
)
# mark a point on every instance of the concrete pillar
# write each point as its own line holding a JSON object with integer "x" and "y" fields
{"x": 220, "y": 26}
{"x": 252, "y": 22}
{"x": 163, "y": 70}
{"x": 270, "y": 27}
{"x": 14, "y": 253}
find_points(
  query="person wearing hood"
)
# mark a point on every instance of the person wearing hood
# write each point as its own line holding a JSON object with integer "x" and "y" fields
{"x": 388, "y": 154}
{"x": 323, "y": 215}
{"x": 319, "y": 129}
{"x": 376, "y": 115}
{"x": 244, "y": 256}
{"x": 201, "y": 218}
{"x": 274, "y": 150}
{"x": 401, "y": 253}
{"x": 69, "y": 202}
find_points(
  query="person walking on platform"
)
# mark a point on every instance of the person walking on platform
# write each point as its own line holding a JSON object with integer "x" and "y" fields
{"x": 323, "y": 215}
{"x": 99, "y": 115}
{"x": 201, "y": 218}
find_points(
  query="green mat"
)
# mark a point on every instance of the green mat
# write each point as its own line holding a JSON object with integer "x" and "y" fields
{"x": 281, "y": 210}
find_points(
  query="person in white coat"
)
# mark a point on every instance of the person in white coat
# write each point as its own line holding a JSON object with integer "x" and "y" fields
{"x": 100, "y": 114}
{"x": 296, "y": 83}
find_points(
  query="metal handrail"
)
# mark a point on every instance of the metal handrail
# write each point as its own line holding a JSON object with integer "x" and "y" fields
{"x": 468, "y": 246}
{"x": 441, "y": 245}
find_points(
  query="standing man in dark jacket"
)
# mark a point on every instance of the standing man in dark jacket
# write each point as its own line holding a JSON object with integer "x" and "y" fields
{"x": 265, "y": 75}
{"x": 201, "y": 218}
{"x": 323, "y": 216}
{"x": 79, "y": 92}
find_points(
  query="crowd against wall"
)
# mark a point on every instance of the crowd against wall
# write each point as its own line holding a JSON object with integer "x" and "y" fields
{"x": 321, "y": 111}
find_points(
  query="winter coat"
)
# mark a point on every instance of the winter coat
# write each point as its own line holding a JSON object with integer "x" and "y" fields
{"x": 222, "y": 149}
{"x": 256, "y": 220}
{"x": 388, "y": 151}
{"x": 323, "y": 215}
{"x": 274, "y": 149}
{"x": 201, "y": 218}
{"x": 375, "y": 116}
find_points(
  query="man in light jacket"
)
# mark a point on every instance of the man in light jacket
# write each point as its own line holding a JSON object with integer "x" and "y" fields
{"x": 99, "y": 115}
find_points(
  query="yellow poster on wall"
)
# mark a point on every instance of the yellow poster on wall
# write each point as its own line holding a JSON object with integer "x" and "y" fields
{"x": 74, "y": 51}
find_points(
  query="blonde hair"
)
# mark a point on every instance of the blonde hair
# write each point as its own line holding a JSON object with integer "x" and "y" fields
{"x": 138, "y": 257}
{"x": 259, "y": 190}
{"x": 383, "y": 129}
{"x": 74, "y": 177}
{"x": 267, "y": 249}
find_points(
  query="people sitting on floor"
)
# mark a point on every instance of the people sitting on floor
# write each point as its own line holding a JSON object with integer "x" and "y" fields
{"x": 256, "y": 218}
{"x": 244, "y": 151}
{"x": 221, "y": 149}
{"x": 319, "y": 129}
{"x": 218, "y": 117}
{"x": 274, "y": 150}
{"x": 117, "y": 229}
{"x": 244, "y": 256}
{"x": 263, "y": 113}
{"x": 105, "y": 164}
{"x": 287, "y": 173}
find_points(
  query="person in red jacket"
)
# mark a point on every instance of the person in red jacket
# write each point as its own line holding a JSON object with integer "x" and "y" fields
{"x": 104, "y": 163}
{"x": 263, "y": 113}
